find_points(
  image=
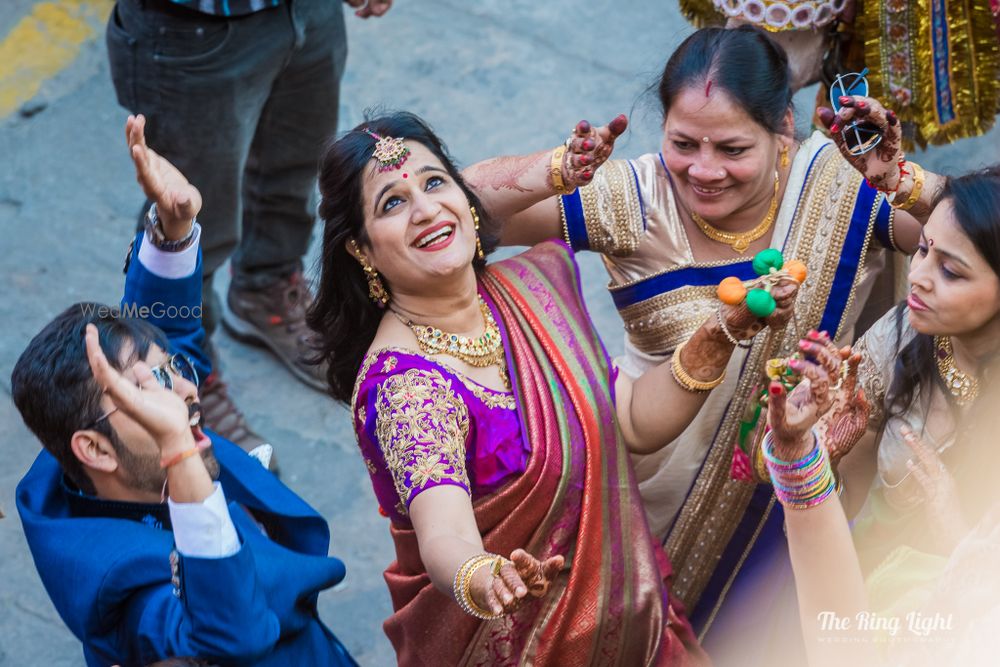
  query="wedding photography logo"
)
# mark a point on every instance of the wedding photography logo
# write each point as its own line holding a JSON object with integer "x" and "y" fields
{"x": 872, "y": 626}
{"x": 156, "y": 310}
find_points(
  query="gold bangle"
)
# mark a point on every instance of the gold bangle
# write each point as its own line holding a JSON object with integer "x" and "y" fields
{"x": 685, "y": 380}
{"x": 918, "y": 188}
{"x": 463, "y": 580}
{"x": 555, "y": 170}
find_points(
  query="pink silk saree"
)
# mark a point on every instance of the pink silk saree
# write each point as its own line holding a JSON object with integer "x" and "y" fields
{"x": 577, "y": 497}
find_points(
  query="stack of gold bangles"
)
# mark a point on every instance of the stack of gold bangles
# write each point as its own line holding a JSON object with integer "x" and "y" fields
{"x": 463, "y": 579}
{"x": 684, "y": 378}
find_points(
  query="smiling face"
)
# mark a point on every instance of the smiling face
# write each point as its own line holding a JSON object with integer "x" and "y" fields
{"x": 953, "y": 289}
{"x": 419, "y": 225}
{"x": 730, "y": 172}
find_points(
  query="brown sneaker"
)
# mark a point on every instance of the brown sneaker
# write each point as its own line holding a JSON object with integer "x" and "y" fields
{"x": 275, "y": 317}
{"x": 222, "y": 416}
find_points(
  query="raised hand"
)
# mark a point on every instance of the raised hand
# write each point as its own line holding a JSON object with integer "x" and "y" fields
{"x": 792, "y": 415}
{"x": 881, "y": 164}
{"x": 589, "y": 148}
{"x": 943, "y": 506}
{"x": 847, "y": 420}
{"x": 744, "y": 325}
{"x": 177, "y": 201}
{"x": 161, "y": 412}
{"x": 523, "y": 575}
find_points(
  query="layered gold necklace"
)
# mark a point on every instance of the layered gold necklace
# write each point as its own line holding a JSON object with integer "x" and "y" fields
{"x": 740, "y": 241}
{"x": 963, "y": 387}
{"x": 479, "y": 352}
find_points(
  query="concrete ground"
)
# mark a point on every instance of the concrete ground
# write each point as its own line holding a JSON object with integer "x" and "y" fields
{"x": 492, "y": 76}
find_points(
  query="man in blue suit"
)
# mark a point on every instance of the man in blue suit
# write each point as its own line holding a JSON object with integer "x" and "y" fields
{"x": 152, "y": 538}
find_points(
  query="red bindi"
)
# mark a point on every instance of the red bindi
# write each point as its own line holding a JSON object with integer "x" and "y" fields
{"x": 405, "y": 175}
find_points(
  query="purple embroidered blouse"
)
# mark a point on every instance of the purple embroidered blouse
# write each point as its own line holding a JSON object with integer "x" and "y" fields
{"x": 421, "y": 424}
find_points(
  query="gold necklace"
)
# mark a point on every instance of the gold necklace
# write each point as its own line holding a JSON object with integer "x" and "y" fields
{"x": 479, "y": 352}
{"x": 963, "y": 387}
{"x": 740, "y": 241}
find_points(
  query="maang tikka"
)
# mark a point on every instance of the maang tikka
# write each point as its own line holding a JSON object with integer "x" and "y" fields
{"x": 390, "y": 152}
{"x": 376, "y": 290}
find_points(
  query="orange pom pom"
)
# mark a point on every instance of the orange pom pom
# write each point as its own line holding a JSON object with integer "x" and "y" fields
{"x": 796, "y": 270}
{"x": 731, "y": 291}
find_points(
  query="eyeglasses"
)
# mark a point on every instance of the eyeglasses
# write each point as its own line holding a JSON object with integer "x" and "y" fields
{"x": 176, "y": 364}
{"x": 860, "y": 137}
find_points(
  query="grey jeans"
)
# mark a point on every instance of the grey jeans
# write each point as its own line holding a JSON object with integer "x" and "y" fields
{"x": 242, "y": 106}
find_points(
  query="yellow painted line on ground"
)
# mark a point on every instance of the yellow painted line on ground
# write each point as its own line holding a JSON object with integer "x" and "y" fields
{"x": 43, "y": 43}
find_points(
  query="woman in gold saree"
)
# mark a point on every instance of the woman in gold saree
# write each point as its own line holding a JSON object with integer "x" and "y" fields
{"x": 729, "y": 180}
{"x": 507, "y": 438}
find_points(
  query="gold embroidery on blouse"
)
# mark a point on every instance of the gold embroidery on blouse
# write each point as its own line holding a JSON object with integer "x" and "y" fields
{"x": 491, "y": 398}
{"x": 366, "y": 365}
{"x": 362, "y": 416}
{"x": 873, "y": 374}
{"x": 611, "y": 210}
{"x": 390, "y": 365}
{"x": 371, "y": 466}
{"x": 421, "y": 428}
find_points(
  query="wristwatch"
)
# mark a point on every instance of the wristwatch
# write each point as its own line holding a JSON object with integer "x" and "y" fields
{"x": 154, "y": 232}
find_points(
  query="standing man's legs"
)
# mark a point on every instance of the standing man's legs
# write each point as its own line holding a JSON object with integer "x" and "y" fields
{"x": 267, "y": 298}
{"x": 202, "y": 82}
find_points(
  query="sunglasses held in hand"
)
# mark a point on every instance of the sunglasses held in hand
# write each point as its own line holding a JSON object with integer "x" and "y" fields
{"x": 859, "y": 136}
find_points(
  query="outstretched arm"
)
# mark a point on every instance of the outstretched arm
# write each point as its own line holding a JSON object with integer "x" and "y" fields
{"x": 656, "y": 407}
{"x": 828, "y": 577}
{"x": 163, "y": 283}
{"x": 519, "y": 191}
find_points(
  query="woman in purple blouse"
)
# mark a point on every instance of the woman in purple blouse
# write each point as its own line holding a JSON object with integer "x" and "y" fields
{"x": 490, "y": 418}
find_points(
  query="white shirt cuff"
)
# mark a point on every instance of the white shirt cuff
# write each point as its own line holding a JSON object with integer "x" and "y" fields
{"x": 205, "y": 529}
{"x": 171, "y": 265}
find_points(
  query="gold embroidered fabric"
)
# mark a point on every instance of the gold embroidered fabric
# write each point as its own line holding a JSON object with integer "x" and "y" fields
{"x": 611, "y": 210}
{"x": 421, "y": 426}
{"x": 935, "y": 63}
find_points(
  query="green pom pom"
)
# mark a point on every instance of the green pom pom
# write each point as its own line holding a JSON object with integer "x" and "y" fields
{"x": 765, "y": 259}
{"x": 760, "y": 303}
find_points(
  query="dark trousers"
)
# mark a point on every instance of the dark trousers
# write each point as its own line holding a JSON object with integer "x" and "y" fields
{"x": 242, "y": 106}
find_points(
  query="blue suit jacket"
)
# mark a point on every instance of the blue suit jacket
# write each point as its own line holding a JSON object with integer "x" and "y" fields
{"x": 110, "y": 569}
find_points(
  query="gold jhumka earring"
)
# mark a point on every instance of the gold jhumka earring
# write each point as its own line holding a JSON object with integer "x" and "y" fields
{"x": 479, "y": 246}
{"x": 784, "y": 157}
{"x": 376, "y": 290}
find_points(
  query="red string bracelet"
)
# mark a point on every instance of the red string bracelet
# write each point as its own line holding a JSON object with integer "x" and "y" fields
{"x": 177, "y": 458}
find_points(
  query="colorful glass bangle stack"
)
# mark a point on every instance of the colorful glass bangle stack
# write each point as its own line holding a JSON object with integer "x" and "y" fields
{"x": 463, "y": 580}
{"x": 803, "y": 483}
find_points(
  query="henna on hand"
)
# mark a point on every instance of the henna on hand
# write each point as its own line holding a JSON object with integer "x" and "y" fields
{"x": 589, "y": 148}
{"x": 943, "y": 506}
{"x": 504, "y": 173}
{"x": 706, "y": 354}
{"x": 842, "y": 427}
{"x": 536, "y": 575}
{"x": 880, "y": 165}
